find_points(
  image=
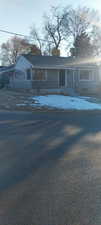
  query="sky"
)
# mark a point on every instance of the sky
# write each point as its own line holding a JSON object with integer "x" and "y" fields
{"x": 19, "y": 15}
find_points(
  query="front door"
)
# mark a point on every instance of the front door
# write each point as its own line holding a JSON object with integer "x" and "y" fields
{"x": 62, "y": 78}
{"x": 70, "y": 78}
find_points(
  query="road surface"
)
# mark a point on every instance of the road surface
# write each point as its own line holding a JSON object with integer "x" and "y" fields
{"x": 50, "y": 168}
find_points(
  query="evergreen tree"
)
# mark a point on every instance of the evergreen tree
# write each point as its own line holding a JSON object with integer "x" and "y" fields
{"x": 82, "y": 46}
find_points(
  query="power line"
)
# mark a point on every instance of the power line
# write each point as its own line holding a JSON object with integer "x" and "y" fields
{"x": 8, "y": 32}
{"x": 22, "y": 35}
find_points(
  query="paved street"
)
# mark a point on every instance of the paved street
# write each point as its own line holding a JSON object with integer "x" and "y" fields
{"x": 50, "y": 168}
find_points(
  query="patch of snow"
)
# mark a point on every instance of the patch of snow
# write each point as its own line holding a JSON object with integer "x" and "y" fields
{"x": 84, "y": 97}
{"x": 21, "y": 104}
{"x": 65, "y": 102}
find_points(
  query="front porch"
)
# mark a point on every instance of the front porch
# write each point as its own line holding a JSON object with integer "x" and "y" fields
{"x": 78, "y": 79}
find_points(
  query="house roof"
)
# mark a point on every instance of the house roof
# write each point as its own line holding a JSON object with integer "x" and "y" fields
{"x": 4, "y": 69}
{"x": 59, "y": 62}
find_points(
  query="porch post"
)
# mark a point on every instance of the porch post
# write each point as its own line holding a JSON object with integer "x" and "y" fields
{"x": 73, "y": 78}
{"x": 31, "y": 73}
{"x": 65, "y": 77}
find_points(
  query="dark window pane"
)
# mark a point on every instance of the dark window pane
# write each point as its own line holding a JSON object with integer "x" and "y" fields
{"x": 38, "y": 74}
{"x": 62, "y": 78}
{"x": 28, "y": 74}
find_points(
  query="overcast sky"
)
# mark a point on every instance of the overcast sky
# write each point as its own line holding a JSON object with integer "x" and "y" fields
{"x": 19, "y": 15}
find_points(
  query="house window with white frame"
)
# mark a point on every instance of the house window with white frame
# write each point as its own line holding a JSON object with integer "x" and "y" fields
{"x": 86, "y": 75}
{"x": 38, "y": 74}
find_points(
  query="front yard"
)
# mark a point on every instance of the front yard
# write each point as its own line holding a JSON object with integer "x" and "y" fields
{"x": 9, "y": 99}
{"x": 14, "y": 100}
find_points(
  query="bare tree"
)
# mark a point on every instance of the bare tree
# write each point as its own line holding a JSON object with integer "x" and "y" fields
{"x": 37, "y": 38}
{"x": 79, "y": 21}
{"x": 54, "y": 26}
{"x": 35, "y": 50}
{"x": 12, "y": 49}
{"x": 47, "y": 48}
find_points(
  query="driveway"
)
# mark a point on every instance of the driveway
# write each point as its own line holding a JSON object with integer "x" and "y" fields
{"x": 50, "y": 168}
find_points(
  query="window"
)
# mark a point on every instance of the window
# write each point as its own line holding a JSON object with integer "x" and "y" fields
{"x": 85, "y": 75}
{"x": 38, "y": 74}
{"x": 28, "y": 74}
{"x": 19, "y": 75}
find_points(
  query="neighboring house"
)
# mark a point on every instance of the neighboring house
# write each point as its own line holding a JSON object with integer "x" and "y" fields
{"x": 53, "y": 74}
{"x": 7, "y": 69}
{"x": 5, "y": 73}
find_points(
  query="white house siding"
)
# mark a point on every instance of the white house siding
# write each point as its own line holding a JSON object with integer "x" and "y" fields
{"x": 20, "y": 84}
{"x": 23, "y": 64}
{"x": 19, "y": 80}
{"x": 99, "y": 70}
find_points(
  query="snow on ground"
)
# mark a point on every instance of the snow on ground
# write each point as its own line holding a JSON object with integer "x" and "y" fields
{"x": 65, "y": 102}
{"x": 22, "y": 104}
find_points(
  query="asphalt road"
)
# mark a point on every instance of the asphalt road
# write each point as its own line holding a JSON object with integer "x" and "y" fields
{"x": 50, "y": 168}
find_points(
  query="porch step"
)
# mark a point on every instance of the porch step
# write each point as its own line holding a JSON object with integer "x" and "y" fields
{"x": 71, "y": 92}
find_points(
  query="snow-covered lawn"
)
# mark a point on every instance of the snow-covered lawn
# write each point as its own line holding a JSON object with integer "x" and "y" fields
{"x": 66, "y": 102}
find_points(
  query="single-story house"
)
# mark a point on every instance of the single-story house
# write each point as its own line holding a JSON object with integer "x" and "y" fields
{"x": 54, "y": 74}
